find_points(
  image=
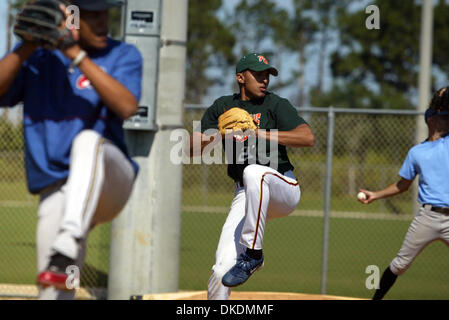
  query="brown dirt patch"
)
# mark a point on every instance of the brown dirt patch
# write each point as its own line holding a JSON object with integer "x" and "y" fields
{"x": 241, "y": 295}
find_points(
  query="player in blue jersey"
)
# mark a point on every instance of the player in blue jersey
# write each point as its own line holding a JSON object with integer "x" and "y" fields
{"x": 75, "y": 154}
{"x": 429, "y": 160}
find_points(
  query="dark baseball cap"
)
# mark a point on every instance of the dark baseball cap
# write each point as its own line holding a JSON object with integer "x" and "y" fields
{"x": 255, "y": 62}
{"x": 97, "y": 5}
{"x": 433, "y": 112}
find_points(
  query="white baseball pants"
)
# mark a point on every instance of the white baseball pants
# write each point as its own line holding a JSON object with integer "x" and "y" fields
{"x": 267, "y": 194}
{"x": 425, "y": 228}
{"x": 99, "y": 184}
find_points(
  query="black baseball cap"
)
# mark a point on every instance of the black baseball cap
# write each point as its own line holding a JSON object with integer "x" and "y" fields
{"x": 433, "y": 112}
{"x": 255, "y": 62}
{"x": 97, "y": 5}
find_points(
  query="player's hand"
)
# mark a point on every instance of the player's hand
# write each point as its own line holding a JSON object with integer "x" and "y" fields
{"x": 232, "y": 134}
{"x": 260, "y": 133}
{"x": 252, "y": 132}
{"x": 229, "y": 134}
{"x": 72, "y": 51}
{"x": 27, "y": 38}
{"x": 370, "y": 196}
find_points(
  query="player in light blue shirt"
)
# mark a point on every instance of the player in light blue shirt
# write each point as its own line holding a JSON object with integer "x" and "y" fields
{"x": 430, "y": 161}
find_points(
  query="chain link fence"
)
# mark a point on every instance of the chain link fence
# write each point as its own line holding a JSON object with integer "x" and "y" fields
{"x": 331, "y": 244}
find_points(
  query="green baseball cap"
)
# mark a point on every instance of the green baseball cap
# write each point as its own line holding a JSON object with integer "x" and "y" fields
{"x": 255, "y": 62}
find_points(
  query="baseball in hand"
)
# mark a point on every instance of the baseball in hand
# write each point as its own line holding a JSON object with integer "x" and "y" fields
{"x": 361, "y": 196}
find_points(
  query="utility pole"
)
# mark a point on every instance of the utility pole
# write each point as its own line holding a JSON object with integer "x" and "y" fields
{"x": 8, "y": 45}
{"x": 8, "y": 24}
{"x": 425, "y": 65}
{"x": 145, "y": 237}
{"x": 425, "y": 74}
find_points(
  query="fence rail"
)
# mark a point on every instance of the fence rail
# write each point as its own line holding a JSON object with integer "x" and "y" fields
{"x": 324, "y": 247}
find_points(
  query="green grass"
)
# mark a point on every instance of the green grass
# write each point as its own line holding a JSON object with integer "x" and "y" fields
{"x": 293, "y": 257}
{"x": 15, "y": 191}
{"x": 292, "y": 248}
{"x": 17, "y": 245}
{"x": 309, "y": 201}
{"x": 18, "y": 249}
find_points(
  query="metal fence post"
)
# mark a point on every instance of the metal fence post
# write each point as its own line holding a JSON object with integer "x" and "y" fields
{"x": 327, "y": 197}
{"x": 145, "y": 237}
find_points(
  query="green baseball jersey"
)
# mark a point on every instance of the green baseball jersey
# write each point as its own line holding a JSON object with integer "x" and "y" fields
{"x": 270, "y": 113}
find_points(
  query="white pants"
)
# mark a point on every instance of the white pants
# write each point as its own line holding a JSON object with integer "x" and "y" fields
{"x": 266, "y": 195}
{"x": 99, "y": 184}
{"x": 425, "y": 228}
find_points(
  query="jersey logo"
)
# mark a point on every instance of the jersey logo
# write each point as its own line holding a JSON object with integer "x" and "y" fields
{"x": 256, "y": 118}
{"x": 82, "y": 82}
{"x": 262, "y": 59}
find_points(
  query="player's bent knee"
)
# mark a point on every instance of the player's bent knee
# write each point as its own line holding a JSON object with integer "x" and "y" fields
{"x": 84, "y": 138}
{"x": 252, "y": 174}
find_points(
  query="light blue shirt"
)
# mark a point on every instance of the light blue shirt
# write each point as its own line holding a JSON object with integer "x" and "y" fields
{"x": 429, "y": 160}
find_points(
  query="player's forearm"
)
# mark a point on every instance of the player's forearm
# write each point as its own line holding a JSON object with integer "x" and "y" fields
{"x": 293, "y": 139}
{"x": 113, "y": 94}
{"x": 11, "y": 64}
{"x": 302, "y": 136}
{"x": 392, "y": 190}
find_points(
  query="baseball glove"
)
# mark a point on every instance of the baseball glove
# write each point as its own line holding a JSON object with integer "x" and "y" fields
{"x": 235, "y": 119}
{"x": 43, "y": 22}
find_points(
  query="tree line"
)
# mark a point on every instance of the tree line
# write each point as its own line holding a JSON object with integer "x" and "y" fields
{"x": 367, "y": 68}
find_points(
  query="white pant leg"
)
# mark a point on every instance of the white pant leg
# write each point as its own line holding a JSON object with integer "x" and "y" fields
{"x": 99, "y": 184}
{"x": 445, "y": 230}
{"x": 269, "y": 195}
{"x": 50, "y": 212}
{"x": 117, "y": 186}
{"x": 228, "y": 249}
{"x": 59, "y": 208}
{"x": 422, "y": 231}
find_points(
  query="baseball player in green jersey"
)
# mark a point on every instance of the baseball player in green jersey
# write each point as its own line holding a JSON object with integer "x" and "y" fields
{"x": 265, "y": 187}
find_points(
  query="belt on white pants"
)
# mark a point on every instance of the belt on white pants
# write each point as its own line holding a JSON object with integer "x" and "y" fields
{"x": 442, "y": 210}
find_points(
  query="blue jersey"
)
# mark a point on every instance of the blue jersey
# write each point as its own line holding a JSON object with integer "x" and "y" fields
{"x": 429, "y": 160}
{"x": 58, "y": 105}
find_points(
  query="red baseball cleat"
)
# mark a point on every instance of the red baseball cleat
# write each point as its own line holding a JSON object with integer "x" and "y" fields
{"x": 55, "y": 275}
{"x": 49, "y": 278}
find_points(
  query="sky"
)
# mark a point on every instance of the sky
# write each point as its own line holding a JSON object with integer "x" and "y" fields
{"x": 3, "y": 22}
{"x": 290, "y": 62}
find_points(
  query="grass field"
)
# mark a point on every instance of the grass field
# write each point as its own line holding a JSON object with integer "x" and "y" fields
{"x": 292, "y": 248}
{"x": 293, "y": 255}
{"x": 18, "y": 248}
{"x": 311, "y": 201}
